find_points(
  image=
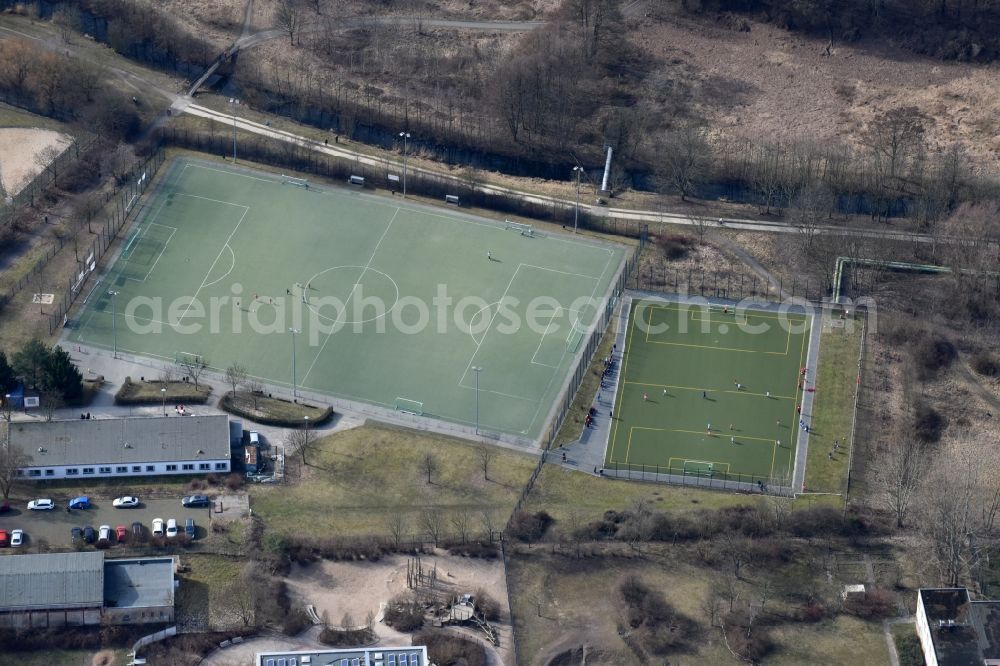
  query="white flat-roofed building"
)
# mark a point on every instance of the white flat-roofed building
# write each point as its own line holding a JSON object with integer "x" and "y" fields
{"x": 134, "y": 446}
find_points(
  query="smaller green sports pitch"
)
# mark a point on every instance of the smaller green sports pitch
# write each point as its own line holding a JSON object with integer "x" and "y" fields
{"x": 335, "y": 292}
{"x": 709, "y": 390}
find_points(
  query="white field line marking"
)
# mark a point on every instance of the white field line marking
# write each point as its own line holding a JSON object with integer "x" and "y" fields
{"x": 350, "y": 295}
{"x": 231, "y": 267}
{"x": 196, "y": 196}
{"x": 566, "y": 349}
{"x": 542, "y": 339}
{"x": 479, "y": 344}
{"x": 212, "y": 267}
{"x": 555, "y": 270}
{"x": 231, "y": 173}
{"x": 173, "y": 230}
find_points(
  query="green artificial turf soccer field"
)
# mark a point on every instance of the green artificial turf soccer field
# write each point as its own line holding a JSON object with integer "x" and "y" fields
{"x": 248, "y": 248}
{"x": 679, "y": 375}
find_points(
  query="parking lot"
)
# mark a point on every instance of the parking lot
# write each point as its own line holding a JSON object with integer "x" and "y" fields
{"x": 54, "y": 526}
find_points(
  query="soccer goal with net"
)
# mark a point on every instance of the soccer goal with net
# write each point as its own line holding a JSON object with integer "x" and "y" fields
{"x": 698, "y": 468}
{"x": 297, "y": 182}
{"x": 575, "y": 337}
{"x": 521, "y": 228}
{"x": 409, "y": 406}
{"x": 187, "y": 358}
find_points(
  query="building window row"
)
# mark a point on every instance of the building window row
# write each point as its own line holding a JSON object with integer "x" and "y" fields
{"x": 124, "y": 469}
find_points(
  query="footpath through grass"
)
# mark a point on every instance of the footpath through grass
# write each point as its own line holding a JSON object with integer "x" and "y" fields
{"x": 836, "y": 385}
{"x": 360, "y": 479}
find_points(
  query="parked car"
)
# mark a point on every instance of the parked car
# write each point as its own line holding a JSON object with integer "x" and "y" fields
{"x": 121, "y": 532}
{"x": 75, "y": 534}
{"x": 104, "y": 536}
{"x": 171, "y": 528}
{"x": 189, "y": 527}
{"x": 195, "y": 501}
{"x": 157, "y": 527}
{"x": 5, "y": 507}
{"x": 41, "y": 505}
{"x": 81, "y": 502}
{"x": 17, "y": 538}
{"x": 137, "y": 530}
{"x": 89, "y": 535}
{"x": 126, "y": 502}
{"x": 4, "y": 539}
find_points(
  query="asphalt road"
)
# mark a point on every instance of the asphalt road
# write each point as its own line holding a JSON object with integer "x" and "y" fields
{"x": 54, "y": 526}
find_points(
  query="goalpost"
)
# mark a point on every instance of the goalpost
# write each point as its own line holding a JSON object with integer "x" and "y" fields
{"x": 188, "y": 358}
{"x": 523, "y": 229}
{"x": 297, "y": 182}
{"x": 699, "y": 468}
{"x": 409, "y": 406}
{"x": 574, "y": 338}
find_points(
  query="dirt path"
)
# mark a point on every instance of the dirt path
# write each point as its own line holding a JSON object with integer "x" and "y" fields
{"x": 977, "y": 384}
{"x": 754, "y": 265}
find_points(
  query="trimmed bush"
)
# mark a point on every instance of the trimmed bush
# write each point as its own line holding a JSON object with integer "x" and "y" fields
{"x": 986, "y": 364}
{"x": 675, "y": 246}
{"x": 528, "y": 527}
{"x": 933, "y": 355}
{"x": 229, "y": 404}
{"x": 928, "y": 424}
{"x": 446, "y": 649}
{"x": 148, "y": 393}
{"x": 874, "y": 604}
{"x": 404, "y": 613}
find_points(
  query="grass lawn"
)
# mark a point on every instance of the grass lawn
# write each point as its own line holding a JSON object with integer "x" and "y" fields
{"x": 907, "y": 644}
{"x": 834, "y": 408}
{"x": 842, "y": 640}
{"x": 358, "y": 479}
{"x": 11, "y": 116}
{"x": 562, "y": 492}
{"x": 201, "y": 597}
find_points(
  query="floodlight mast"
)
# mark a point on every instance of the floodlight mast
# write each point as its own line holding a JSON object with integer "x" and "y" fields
{"x": 404, "y": 136}
{"x": 114, "y": 324}
{"x": 577, "y": 170}
{"x": 477, "y": 369}
{"x": 295, "y": 395}
{"x": 235, "y": 105}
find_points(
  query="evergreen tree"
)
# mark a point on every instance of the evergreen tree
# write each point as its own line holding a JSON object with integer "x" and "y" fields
{"x": 61, "y": 377}
{"x": 7, "y": 377}
{"x": 29, "y": 361}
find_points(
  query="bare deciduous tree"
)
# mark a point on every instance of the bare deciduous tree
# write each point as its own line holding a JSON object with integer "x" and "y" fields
{"x": 289, "y": 18}
{"x": 432, "y": 523}
{"x": 304, "y": 441}
{"x": 488, "y": 520}
{"x": 236, "y": 374}
{"x": 685, "y": 154}
{"x": 429, "y": 465}
{"x": 485, "y": 454}
{"x": 193, "y": 365}
{"x": 957, "y": 510}
{"x": 254, "y": 391}
{"x": 12, "y": 459}
{"x": 395, "y": 522}
{"x": 461, "y": 521}
{"x": 899, "y": 476}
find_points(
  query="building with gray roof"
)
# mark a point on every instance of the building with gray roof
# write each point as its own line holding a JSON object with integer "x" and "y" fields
{"x": 134, "y": 446}
{"x": 51, "y": 581}
{"x": 60, "y": 589}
